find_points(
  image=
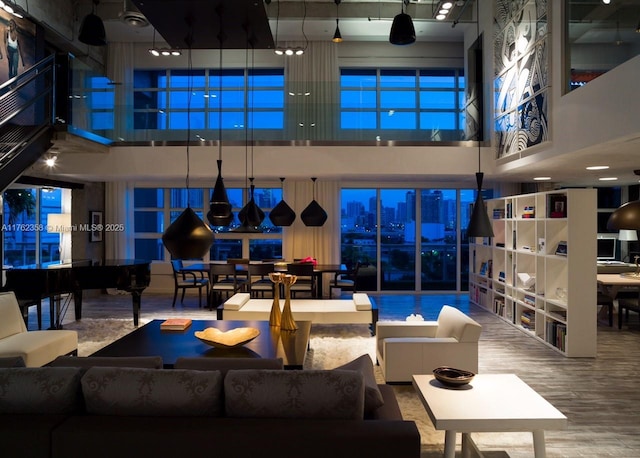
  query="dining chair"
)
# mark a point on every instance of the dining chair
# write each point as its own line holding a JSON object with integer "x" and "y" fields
{"x": 223, "y": 280}
{"x": 242, "y": 268}
{"x": 186, "y": 279}
{"x": 345, "y": 281}
{"x": 260, "y": 282}
{"x": 306, "y": 282}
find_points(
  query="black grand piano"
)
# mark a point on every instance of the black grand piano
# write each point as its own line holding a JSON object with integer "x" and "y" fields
{"x": 32, "y": 283}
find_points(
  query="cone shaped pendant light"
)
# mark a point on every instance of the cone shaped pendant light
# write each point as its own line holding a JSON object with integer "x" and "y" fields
{"x": 479, "y": 224}
{"x": 314, "y": 214}
{"x": 188, "y": 236}
{"x": 220, "y": 212}
{"x": 282, "y": 214}
{"x": 402, "y": 30}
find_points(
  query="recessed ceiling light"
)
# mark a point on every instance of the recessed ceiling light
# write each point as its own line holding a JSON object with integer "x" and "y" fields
{"x": 541, "y": 178}
{"x": 608, "y": 178}
{"x": 598, "y": 167}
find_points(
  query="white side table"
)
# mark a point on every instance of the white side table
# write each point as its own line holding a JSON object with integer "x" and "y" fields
{"x": 490, "y": 403}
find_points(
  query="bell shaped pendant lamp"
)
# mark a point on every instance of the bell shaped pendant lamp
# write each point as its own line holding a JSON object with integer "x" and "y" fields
{"x": 92, "y": 29}
{"x": 219, "y": 213}
{"x": 314, "y": 214}
{"x": 402, "y": 30}
{"x": 282, "y": 214}
{"x": 188, "y": 237}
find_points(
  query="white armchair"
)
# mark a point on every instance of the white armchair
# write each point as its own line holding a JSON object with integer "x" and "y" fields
{"x": 36, "y": 348}
{"x": 404, "y": 348}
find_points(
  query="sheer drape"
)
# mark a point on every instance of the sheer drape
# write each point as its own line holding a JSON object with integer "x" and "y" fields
{"x": 119, "y": 69}
{"x": 300, "y": 241}
{"x": 312, "y": 92}
{"x": 117, "y": 210}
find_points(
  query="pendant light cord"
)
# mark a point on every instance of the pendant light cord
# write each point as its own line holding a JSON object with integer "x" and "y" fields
{"x": 189, "y": 40}
{"x": 479, "y": 92}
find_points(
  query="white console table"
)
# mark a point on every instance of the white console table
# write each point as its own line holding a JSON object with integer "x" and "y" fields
{"x": 490, "y": 403}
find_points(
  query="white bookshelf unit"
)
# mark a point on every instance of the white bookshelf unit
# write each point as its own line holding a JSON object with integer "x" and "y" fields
{"x": 538, "y": 272}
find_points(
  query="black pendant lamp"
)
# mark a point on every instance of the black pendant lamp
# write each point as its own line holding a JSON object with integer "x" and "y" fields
{"x": 282, "y": 214}
{"x": 251, "y": 213}
{"x": 92, "y": 29}
{"x": 479, "y": 224}
{"x": 402, "y": 30}
{"x": 314, "y": 214}
{"x": 220, "y": 212}
{"x": 337, "y": 36}
{"x": 188, "y": 237}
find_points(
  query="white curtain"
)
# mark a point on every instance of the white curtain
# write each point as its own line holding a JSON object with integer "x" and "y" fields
{"x": 119, "y": 69}
{"x": 117, "y": 209}
{"x": 312, "y": 92}
{"x": 300, "y": 241}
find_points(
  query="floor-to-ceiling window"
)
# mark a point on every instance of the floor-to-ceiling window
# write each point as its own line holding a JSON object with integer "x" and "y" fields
{"x": 26, "y": 237}
{"x": 379, "y": 227}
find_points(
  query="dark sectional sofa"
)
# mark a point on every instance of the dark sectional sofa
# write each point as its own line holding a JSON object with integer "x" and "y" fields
{"x": 106, "y": 407}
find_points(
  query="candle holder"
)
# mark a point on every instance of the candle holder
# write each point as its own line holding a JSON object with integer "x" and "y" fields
{"x": 288, "y": 323}
{"x": 275, "y": 317}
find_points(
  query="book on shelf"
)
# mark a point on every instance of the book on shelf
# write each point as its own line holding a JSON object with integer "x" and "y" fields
{"x": 529, "y": 212}
{"x": 561, "y": 249}
{"x": 175, "y": 324}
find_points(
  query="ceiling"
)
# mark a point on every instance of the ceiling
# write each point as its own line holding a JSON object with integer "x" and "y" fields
{"x": 361, "y": 20}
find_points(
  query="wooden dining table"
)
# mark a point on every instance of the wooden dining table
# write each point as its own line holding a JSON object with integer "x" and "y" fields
{"x": 613, "y": 284}
{"x": 318, "y": 270}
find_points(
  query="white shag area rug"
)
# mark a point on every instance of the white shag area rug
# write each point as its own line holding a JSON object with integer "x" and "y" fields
{"x": 330, "y": 347}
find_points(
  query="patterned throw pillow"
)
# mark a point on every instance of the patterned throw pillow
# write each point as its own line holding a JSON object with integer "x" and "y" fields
{"x": 372, "y": 395}
{"x": 152, "y": 392}
{"x": 42, "y": 390}
{"x": 294, "y": 394}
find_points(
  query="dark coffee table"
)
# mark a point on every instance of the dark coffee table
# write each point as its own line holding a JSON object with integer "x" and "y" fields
{"x": 149, "y": 340}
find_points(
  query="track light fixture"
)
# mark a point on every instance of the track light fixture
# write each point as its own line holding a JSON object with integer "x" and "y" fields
{"x": 442, "y": 10}
{"x": 92, "y": 29}
{"x": 402, "y": 30}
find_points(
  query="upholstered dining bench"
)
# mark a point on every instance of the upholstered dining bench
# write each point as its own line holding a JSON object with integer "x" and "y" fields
{"x": 360, "y": 309}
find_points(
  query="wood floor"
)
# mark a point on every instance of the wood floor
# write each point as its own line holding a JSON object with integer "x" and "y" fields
{"x": 600, "y": 396}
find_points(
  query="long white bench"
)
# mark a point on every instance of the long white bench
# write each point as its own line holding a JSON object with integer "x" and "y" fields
{"x": 361, "y": 309}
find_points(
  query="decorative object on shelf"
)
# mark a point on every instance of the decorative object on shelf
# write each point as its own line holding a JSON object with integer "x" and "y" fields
{"x": 227, "y": 339}
{"x": 402, "y": 30}
{"x": 188, "y": 237}
{"x": 220, "y": 211}
{"x": 557, "y": 206}
{"x": 288, "y": 323}
{"x": 96, "y": 226}
{"x": 313, "y": 214}
{"x": 452, "y": 377}
{"x": 561, "y": 249}
{"x": 275, "y": 317}
{"x": 282, "y": 214}
{"x": 92, "y": 29}
{"x": 337, "y": 36}
{"x": 527, "y": 281}
{"x": 561, "y": 293}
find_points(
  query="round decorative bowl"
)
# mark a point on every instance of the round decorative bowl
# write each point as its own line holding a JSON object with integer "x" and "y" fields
{"x": 227, "y": 339}
{"x": 450, "y": 376}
